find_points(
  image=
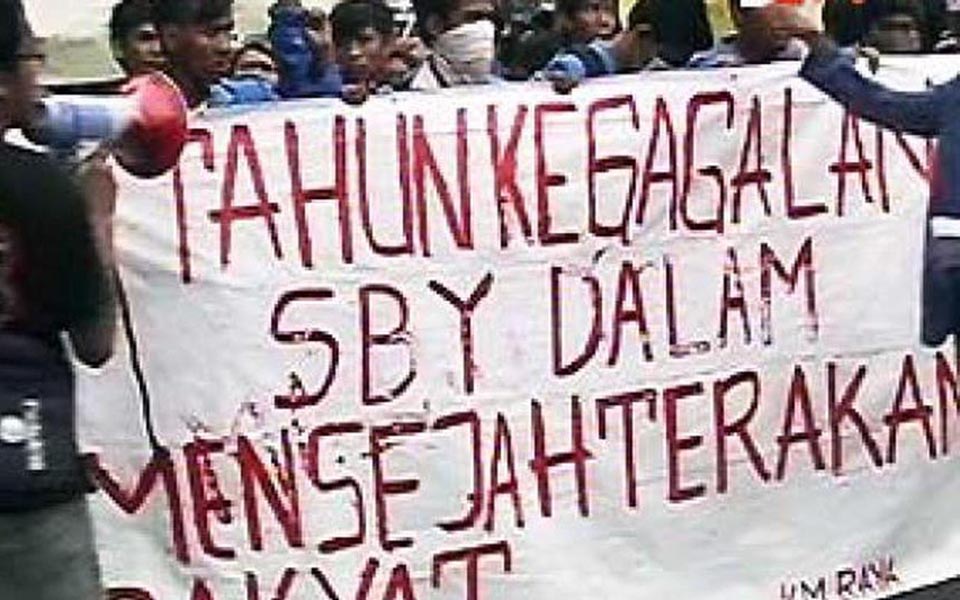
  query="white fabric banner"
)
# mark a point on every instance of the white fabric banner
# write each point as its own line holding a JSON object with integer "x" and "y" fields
{"x": 655, "y": 339}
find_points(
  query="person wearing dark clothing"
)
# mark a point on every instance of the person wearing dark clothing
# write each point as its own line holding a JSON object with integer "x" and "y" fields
{"x": 305, "y": 71}
{"x": 461, "y": 36}
{"x": 931, "y": 113}
{"x": 56, "y": 265}
{"x": 684, "y": 29}
{"x": 582, "y": 21}
{"x": 636, "y": 48}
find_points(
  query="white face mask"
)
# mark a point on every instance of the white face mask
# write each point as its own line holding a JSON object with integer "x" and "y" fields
{"x": 469, "y": 48}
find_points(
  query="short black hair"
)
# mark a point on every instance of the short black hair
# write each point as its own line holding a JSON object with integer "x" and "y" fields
{"x": 350, "y": 17}
{"x": 127, "y": 16}
{"x": 568, "y": 8}
{"x": 10, "y": 33}
{"x": 186, "y": 12}
{"x": 424, "y": 9}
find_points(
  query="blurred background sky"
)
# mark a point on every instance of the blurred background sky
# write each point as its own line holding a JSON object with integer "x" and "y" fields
{"x": 77, "y": 32}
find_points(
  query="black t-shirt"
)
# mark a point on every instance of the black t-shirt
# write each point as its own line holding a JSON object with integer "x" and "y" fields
{"x": 51, "y": 279}
{"x": 50, "y": 275}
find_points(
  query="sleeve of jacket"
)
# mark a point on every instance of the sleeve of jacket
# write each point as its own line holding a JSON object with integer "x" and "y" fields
{"x": 583, "y": 61}
{"x": 247, "y": 90}
{"x": 919, "y": 113}
{"x": 299, "y": 74}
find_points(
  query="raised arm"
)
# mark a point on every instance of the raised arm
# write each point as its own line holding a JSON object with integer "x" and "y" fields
{"x": 919, "y": 113}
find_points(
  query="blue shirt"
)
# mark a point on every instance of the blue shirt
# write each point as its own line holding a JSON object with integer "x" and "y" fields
{"x": 242, "y": 90}
{"x": 583, "y": 61}
{"x": 301, "y": 73}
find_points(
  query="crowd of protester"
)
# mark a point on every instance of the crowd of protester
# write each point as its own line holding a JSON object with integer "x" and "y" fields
{"x": 364, "y": 47}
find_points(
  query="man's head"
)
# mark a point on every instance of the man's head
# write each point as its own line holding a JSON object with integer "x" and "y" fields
{"x": 464, "y": 32}
{"x": 899, "y": 29}
{"x": 133, "y": 37}
{"x": 437, "y": 17}
{"x": 643, "y": 29}
{"x": 757, "y": 41}
{"x": 196, "y": 36}
{"x": 363, "y": 38}
{"x": 20, "y": 65}
{"x": 582, "y": 21}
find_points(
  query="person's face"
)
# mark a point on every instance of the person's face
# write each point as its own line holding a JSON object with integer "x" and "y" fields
{"x": 758, "y": 42}
{"x": 897, "y": 33}
{"x": 141, "y": 52}
{"x": 363, "y": 57}
{"x": 587, "y": 23}
{"x": 253, "y": 62}
{"x": 646, "y": 45}
{"x": 21, "y": 91}
{"x": 202, "y": 52}
{"x": 405, "y": 54}
{"x": 609, "y": 23}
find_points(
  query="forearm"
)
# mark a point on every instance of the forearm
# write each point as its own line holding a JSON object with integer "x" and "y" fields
{"x": 93, "y": 339}
{"x": 913, "y": 112}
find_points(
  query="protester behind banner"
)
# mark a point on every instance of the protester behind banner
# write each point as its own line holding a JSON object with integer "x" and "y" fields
{"x": 134, "y": 40}
{"x": 461, "y": 36}
{"x": 302, "y": 42}
{"x": 196, "y": 37}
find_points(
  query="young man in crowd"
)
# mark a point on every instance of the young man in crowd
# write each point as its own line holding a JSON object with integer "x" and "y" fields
{"x": 56, "y": 265}
{"x": 749, "y": 45}
{"x": 931, "y": 113}
{"x": 196, "y": 36}
{"x": 638, "y": 47}
{"x": 461, "y": 37}
{"x": 363, "y": 41}
{"x": 899, "y": 29}
{"x": 135, "y": 45}
{"x": 582, "y": 21}
{"x": 134, "y": 40}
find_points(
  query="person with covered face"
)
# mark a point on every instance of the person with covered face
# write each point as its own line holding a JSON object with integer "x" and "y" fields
{"x": 302, "y": 44}
{"x": 461, "y": 37}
